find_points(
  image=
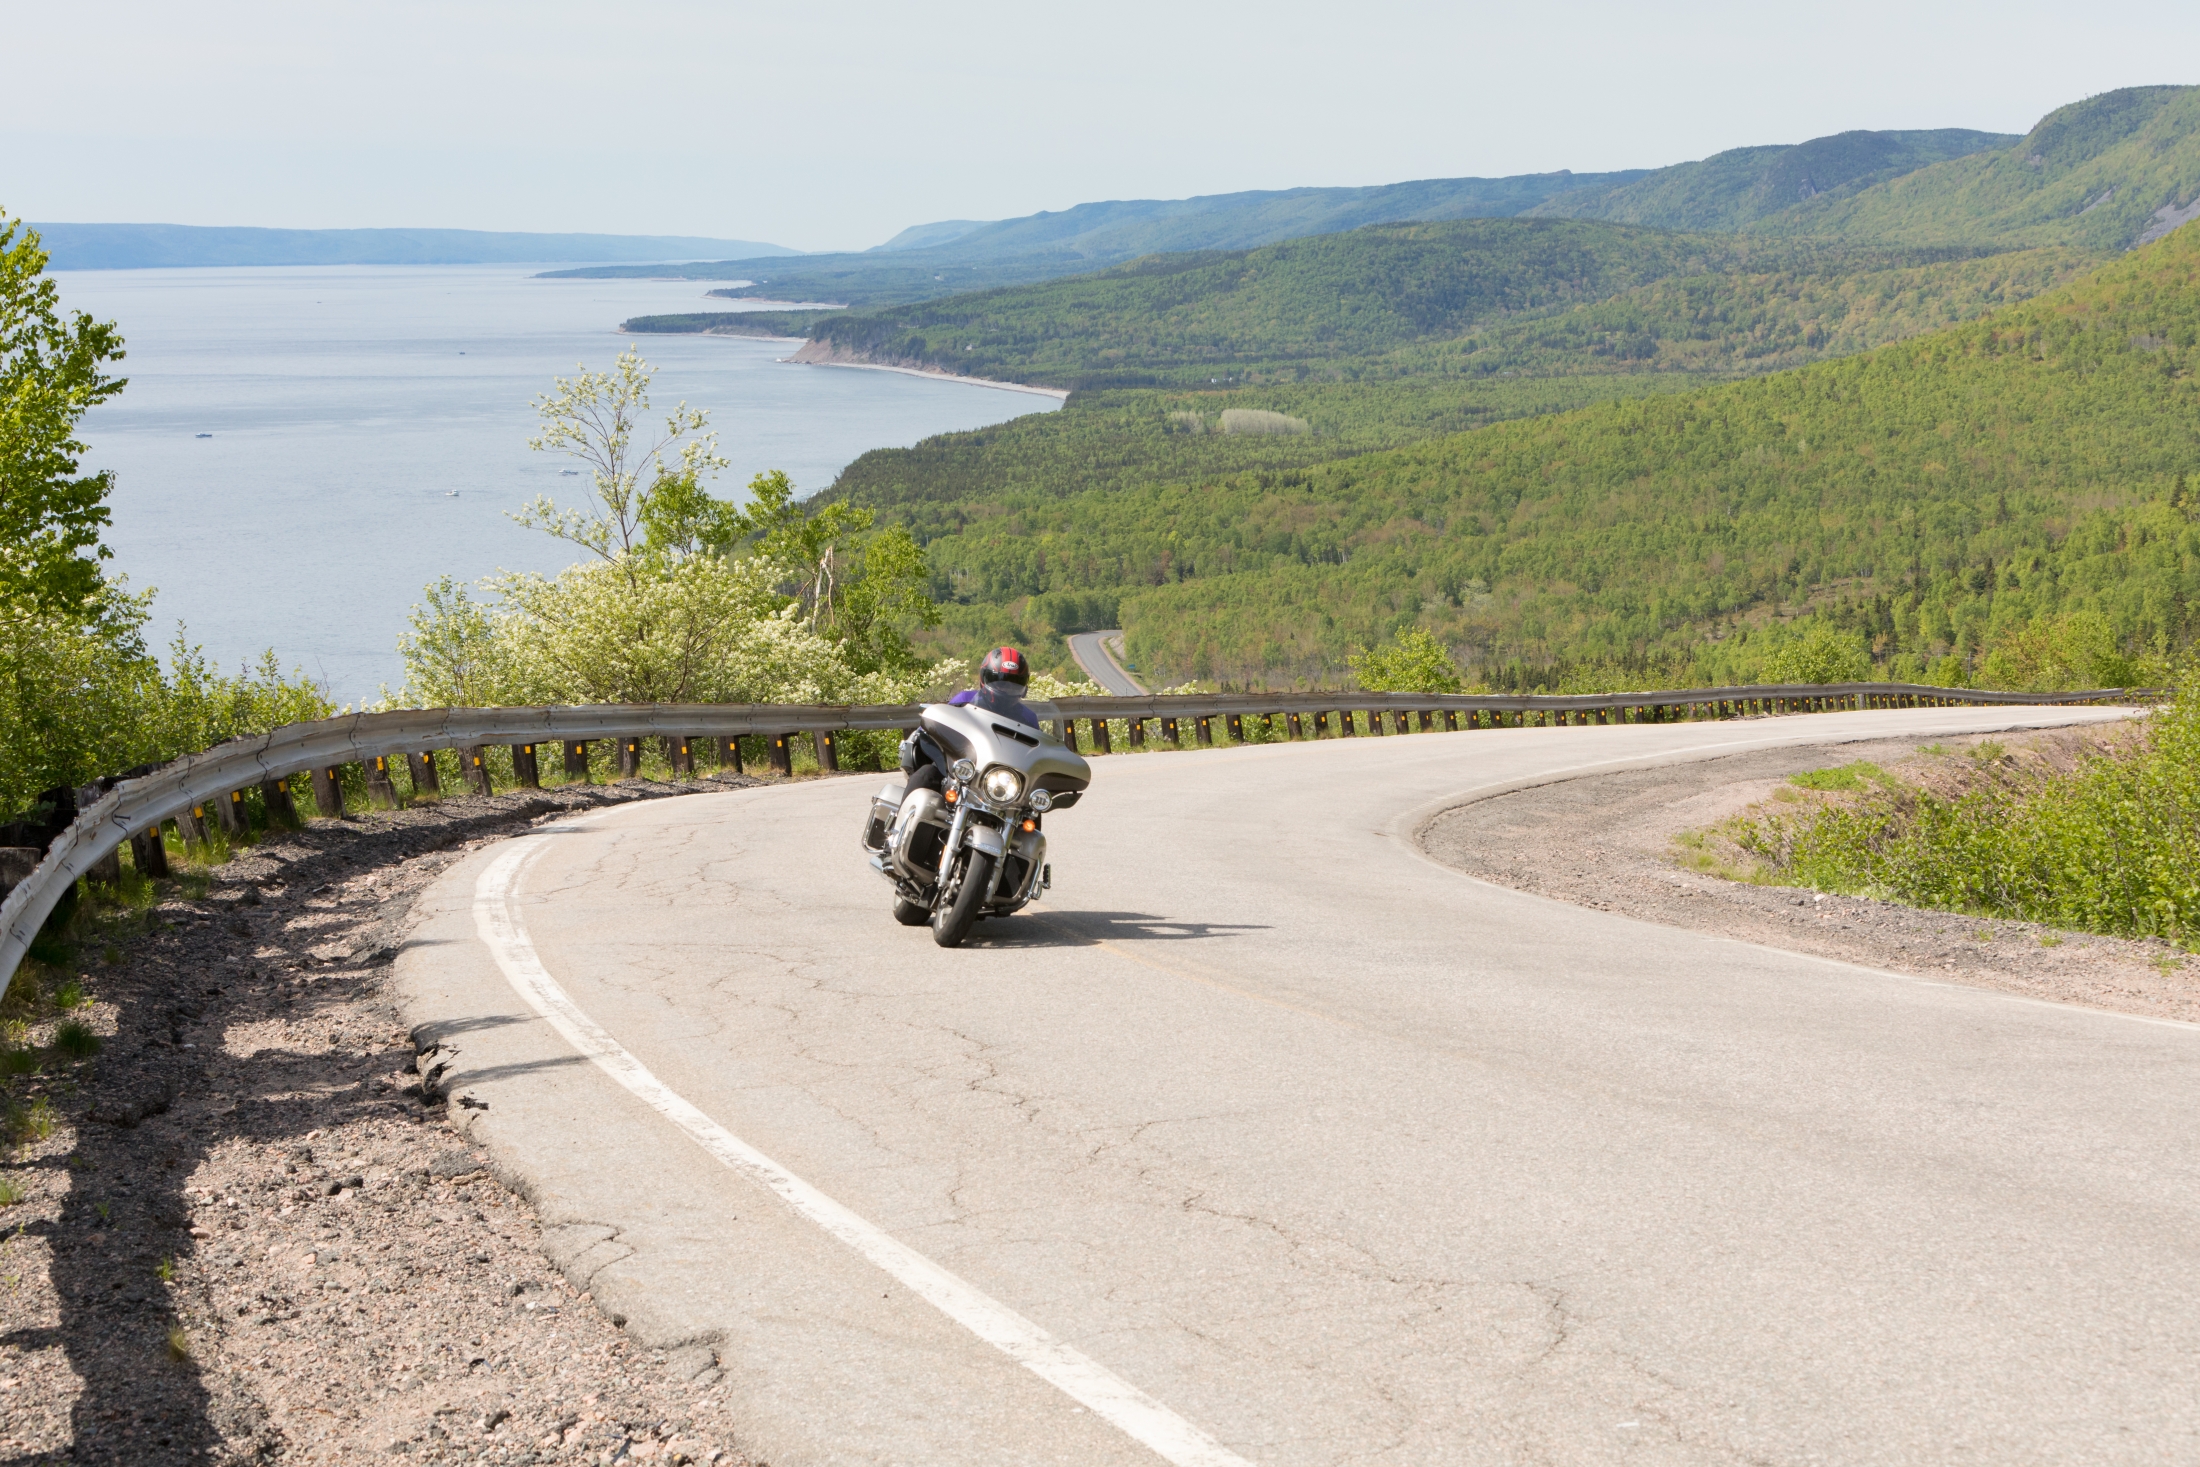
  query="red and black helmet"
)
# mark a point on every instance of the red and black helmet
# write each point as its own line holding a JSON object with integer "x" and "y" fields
{"x": 1005, "y": 665}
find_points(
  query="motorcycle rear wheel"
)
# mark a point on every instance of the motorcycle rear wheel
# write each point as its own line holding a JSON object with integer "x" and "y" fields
{"x": 911, "y": 914}
{"x": 952, "y": 919}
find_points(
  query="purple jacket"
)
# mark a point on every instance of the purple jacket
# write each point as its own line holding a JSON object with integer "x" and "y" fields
{"x": 998, "y": 698}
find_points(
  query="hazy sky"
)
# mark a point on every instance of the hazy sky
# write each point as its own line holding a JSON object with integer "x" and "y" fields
{"x": 828, "y": 126}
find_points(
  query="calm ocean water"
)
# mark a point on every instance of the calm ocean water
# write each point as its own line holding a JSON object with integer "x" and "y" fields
{"x": 370, "y": 433}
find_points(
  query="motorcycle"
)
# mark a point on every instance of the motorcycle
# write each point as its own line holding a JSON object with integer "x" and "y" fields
{"x": 973, "y": 848}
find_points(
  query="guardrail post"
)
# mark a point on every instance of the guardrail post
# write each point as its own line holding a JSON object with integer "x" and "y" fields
{"x": 682, "y": 754}
{"x": 1101, "y": 743}
{"x": 729, "y": 755}
{"x": 828, "y": 754}
{"x": 1168, "y": 734}
{"x": 782, "y": 756}
{"x": 1069, "y": 734}
{"x": 107, "y": 870}
{"x": 474, "y": 764}
{"x": 1451, "y": 720}
{"x": 423, "y": 771}
{"x": 525, "y": 770}
{"x": 576, "y": 759}
{"x": 1350, "y": 728}
{"x": 1235, "y": 723}
{"x": 275, "y": 799}
{"x": 149, "y": 853}
{"x": 191, "y": 825}
{"x": 1138, "y": 732}
{"x": 630, "y": 756}
{"x": 1203, "y": 729}
{"x": 381, "y": 789}
{"x": 230, "y": 808}
{"x": 328, "y": 792}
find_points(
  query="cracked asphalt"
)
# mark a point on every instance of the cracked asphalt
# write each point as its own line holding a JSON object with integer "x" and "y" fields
{"x": 1339, "y": 1154}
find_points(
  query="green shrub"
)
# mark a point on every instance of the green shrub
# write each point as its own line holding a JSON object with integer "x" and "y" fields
{"x": 2112, "y": 846}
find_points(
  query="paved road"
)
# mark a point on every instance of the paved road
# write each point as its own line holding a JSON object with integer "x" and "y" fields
{"x": 1334, "y": 1154}
{"x": 1094, "y": 655}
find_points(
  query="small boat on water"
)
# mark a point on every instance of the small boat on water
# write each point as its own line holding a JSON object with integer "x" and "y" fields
{"x": 205, "y": 435}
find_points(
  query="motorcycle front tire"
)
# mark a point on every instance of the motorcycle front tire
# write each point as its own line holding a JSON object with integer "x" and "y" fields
{"x": 951, "y": 922}
{"x": 911, "y": 914}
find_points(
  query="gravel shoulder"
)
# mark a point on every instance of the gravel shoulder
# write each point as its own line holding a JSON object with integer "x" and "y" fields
{"x": 248, "y": 1231}
{"x": 1607, "y": 841}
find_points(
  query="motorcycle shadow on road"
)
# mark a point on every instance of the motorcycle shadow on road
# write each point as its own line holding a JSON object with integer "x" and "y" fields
{"x": 1090, "y": 929}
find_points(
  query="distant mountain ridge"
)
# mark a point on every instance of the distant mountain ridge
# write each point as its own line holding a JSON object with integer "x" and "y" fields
{"x": 930, "y": 260}
{"x": 1124, "y": 229}
{"x": 151, "y": 246}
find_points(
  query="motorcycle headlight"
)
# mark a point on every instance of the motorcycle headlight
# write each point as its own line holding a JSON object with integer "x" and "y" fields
{"x": 963, "y": 770}
{"x": 1002, "y": 786}
{"x": 1041, "y": 801}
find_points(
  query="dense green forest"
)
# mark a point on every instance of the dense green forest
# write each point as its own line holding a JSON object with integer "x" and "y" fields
{"x": 1933, "y": 495}
{"x": 1669, "y": 336}
{"x": 1298, "y": 310}
{"x": 788, "y": 324}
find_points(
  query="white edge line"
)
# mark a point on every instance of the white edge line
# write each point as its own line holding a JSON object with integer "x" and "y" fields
{"x": 1075, "y": 1374}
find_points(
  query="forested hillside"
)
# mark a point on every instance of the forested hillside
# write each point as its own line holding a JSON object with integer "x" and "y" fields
{"x": 2103, "y": 174}
{"x": 1735, "y": 189}
{"x": 1670, "y": 336}
{"x": 1936, "y": 494}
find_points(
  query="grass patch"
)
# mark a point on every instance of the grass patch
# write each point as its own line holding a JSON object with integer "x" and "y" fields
{"x": 1862, "y": 774}
{"x": 25, "y": 1123}
{"x": 11, "y": 1191}
{"x": 75, "y": 1039}
{"x": 179, "y": 1347}
{"x": 1699, "y": 852}
{"x": 70, "y": 994}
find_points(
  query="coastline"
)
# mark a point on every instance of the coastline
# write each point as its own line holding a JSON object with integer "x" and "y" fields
{"x": 1059, "y": 394}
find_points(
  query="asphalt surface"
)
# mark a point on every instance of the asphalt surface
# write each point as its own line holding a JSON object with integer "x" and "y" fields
{"x": 1333, "y": 1153}
{"x": 1095, "y": 657}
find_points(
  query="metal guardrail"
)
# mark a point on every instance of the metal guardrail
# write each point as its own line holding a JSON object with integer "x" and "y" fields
{"x": 196, "y": 781}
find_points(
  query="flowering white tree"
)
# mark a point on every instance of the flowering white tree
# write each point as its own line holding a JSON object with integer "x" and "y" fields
{"x": 599, "y": 419}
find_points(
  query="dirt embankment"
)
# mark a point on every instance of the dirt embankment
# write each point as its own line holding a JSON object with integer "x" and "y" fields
{"x": 1610, "y": 842}
{"x": 247, "y": 1232}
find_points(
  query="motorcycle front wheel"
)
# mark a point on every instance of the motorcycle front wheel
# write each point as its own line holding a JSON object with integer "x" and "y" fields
{"x": 958, "y": 907}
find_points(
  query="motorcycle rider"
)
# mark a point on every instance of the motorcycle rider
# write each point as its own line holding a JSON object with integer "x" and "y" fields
{"x": 1002, "y": 678}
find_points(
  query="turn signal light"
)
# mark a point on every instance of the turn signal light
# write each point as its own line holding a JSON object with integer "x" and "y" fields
{"x": 1031, "y": 825}
{"x": 949, "y": 795}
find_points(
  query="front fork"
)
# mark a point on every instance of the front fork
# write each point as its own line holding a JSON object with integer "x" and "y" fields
{"x": 952, "y": 844}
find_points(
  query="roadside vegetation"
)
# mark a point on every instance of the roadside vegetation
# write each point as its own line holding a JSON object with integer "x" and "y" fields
{"x": 2105, "y": 838}
{"x": 81, "y": 692}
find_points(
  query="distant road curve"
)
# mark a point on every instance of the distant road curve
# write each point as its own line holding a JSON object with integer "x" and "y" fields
{"x": 1092, "y": 654}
